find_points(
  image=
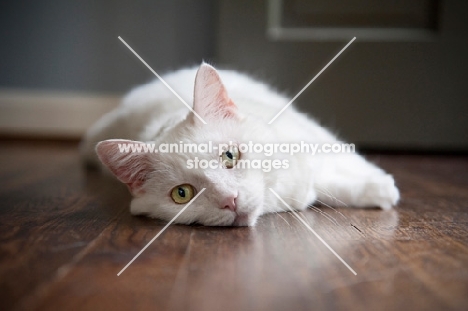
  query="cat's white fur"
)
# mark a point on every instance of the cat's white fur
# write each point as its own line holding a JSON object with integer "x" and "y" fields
{"x": 151, "y": 113}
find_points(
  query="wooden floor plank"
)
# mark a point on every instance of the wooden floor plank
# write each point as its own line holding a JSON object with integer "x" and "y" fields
{"x": 65, "y": 233}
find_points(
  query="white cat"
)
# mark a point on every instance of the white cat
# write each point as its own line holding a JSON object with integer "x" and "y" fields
{"x": 236, "y": 109}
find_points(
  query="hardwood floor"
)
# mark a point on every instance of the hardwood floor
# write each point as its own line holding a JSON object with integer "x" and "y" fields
{"x": 66, "y": 232}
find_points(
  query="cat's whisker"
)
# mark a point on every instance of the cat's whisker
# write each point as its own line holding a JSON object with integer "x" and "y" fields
{"x": 295, "y": 217}
{"x": 328, "y": 193}
{"x": 325, "y": 214}
{"x": 304, "y": 217}
{"x": 297, "y": 211}
{"x": 304, "y": 203}
{"x": 283, "y": 218}
{"x": 325, "y": 191}
{"x": 336, "y": 211}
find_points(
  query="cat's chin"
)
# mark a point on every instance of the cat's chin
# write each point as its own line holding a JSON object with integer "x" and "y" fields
{"x": 242, "y": 220}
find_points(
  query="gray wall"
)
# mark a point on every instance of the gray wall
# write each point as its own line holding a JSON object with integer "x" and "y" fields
{"x": 378, "y": 94}
{"x": 73, "y": 45}
{"x": 388, "y": 94}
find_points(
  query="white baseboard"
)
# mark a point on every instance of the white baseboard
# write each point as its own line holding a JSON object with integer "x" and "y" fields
{"x": 51, "y": 114}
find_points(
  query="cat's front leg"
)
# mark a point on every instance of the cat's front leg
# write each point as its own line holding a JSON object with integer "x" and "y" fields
{"x": 293, "y": 185}
{"x": 350, "y": 180}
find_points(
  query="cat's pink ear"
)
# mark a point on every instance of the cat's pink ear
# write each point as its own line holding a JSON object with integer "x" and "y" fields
{"x": 131, "y": 168}
{"x": 210, "y": 100}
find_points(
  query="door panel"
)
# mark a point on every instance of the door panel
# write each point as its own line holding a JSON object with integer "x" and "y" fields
{"x": 394, "y": 93}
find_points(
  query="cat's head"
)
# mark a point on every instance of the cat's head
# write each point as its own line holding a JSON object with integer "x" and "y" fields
{"x": 163, "y": 183}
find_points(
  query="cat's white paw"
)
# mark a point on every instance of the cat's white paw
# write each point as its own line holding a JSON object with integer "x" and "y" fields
{"x": 380, "y": 191}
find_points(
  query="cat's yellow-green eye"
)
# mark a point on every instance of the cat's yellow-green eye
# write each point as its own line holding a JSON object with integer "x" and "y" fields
{"x": 182, "y": 194}
{"x": 229, "y": 157}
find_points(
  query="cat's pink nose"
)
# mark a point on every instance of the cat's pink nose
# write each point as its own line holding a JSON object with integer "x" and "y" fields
{"x": 229, "y": 203}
